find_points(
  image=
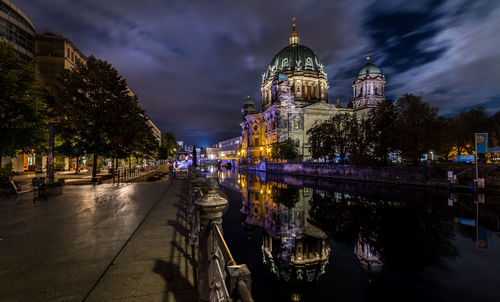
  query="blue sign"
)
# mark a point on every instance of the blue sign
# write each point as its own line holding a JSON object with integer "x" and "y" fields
{"x": 481, "y": 143}
{"x": 465, "y": 158}
{"x": 482, "y": 238}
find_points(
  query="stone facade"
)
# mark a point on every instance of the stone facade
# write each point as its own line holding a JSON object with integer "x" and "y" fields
{"x": 295, "y": 98}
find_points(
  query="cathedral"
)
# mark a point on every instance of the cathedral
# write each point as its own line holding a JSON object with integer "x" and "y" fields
{"x": 295, "y": 98}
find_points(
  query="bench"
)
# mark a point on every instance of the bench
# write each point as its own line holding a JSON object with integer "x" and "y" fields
{"x": 39, "y": 188}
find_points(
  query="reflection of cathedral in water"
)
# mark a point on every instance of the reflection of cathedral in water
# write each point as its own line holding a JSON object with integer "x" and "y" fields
{"x": 294, "y": 250}
{"x": 368, "y": 258}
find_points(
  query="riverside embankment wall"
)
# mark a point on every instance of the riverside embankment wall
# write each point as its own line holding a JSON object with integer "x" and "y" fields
{"x": 403, "y": 175}
{"x": 410, "y": 175}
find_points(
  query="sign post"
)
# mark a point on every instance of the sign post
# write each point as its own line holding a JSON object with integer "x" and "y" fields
{"x": 481, "y": 144}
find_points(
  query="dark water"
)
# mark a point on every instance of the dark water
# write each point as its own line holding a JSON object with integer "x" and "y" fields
{"x": 324, "y": 240}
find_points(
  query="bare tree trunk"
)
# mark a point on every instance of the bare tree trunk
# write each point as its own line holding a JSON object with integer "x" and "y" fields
{"x": 94, "y": 166}
{"x": 77, "y": 166}
{"x": 50, "y": 155}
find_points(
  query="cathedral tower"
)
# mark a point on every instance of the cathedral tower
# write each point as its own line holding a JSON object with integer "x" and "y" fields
{"x": 369, "y": 87}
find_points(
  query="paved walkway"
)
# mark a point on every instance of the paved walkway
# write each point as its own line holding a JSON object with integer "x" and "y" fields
{"x": 98, "y": 243}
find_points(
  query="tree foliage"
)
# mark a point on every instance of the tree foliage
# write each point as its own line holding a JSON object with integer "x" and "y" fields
{"x": 330, "y": 139}
{"x": 381, "y": 130}
{"x": 23, "y": 107}
{"x": 99, "y": 116}
{"x": 414, "y": 127}
{"x": 169, "y": 146}
{"x": 285, "y": 150}
{"x": 407, "y": 128}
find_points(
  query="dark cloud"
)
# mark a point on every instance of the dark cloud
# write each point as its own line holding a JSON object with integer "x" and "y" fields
{"x": 193, "y": 63}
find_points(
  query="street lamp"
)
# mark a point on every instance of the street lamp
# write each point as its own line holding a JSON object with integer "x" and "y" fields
{"x": 432, "y": 155}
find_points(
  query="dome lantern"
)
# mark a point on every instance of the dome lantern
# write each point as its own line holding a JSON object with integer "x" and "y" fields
{"x": 294, "y": 39}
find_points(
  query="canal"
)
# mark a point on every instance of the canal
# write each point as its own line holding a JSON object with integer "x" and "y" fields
{"x": 325, "y": 240}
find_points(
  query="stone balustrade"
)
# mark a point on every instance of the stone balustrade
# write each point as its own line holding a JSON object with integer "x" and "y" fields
{"x": 220, "y": 278}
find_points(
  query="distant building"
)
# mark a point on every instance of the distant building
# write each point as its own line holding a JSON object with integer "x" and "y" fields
{"x": 155, "y": 130}
{"x": 55, "y": 53}
{"x": 17, "y": 29}
{"x": 209, "y": 153}
{"x": 229, "y": 148}
{"x": 295, "y": 98}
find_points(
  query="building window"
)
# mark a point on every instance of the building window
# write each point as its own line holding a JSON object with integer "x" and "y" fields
{"x": 296, "y": 124}
{"x": 256, "y": 142}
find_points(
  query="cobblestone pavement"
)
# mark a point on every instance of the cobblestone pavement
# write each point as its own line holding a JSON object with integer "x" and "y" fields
{"x": 98, "y": 243}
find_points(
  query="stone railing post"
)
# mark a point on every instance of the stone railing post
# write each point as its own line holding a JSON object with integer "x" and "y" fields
{"x": 194, "y": 193}
{"x": 210, "y": 208}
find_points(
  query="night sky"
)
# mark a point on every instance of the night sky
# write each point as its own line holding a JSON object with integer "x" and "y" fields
{"x": 193, "y": 63}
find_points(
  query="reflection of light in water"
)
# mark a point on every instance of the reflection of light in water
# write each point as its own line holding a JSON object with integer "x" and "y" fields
{"x": 367, "y": 257}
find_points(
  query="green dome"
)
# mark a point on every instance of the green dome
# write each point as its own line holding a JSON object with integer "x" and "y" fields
{"x": 368, "y": 68}
{"x": 248, "y": 103}
{"x": 294, "y": 57}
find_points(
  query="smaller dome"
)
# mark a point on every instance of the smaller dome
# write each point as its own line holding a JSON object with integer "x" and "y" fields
{"x": 368, "y": 68}
{"x": 248, "y": 103}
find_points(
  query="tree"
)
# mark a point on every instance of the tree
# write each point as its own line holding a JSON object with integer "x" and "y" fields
{"x": 330, "y": 139}
{"x": 338, "y": 136}
{"x": 414, "y": 126}
{"x": 317, "y": 141}
{"x": 285, "y": 150}
{"x": 494, "y": 129}
{"x": 381, "y": 130}
{"x": 443, "y": 139}
{"x": 358, "y": 145}
{"x": 465, "y": 125}
{"x": 88, "y": 96}
{"x": 169, "y": 145}
{"x": 23, "y": 108}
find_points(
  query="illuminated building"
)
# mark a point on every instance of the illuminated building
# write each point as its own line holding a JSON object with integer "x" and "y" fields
{"x": 229, "y": 149}
{"x": 17, "y": 29}
{"x": 209, "y": 153}
{"x": 295, "y": 98}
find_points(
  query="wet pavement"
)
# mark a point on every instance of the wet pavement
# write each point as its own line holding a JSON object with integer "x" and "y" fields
{"x": 97, "y": 243}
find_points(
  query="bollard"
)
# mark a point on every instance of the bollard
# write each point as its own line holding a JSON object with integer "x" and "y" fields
{"x": 210, "y": 208}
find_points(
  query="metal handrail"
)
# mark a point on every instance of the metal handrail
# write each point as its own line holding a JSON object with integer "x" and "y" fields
{"x": 223, "y": 245}
{"x": 241, "y": 286}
